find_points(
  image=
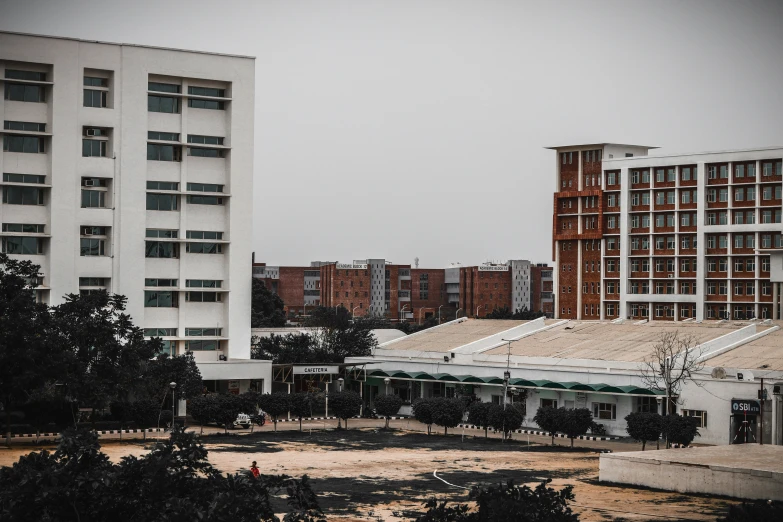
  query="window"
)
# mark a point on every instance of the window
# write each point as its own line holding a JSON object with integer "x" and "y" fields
{"x": 549, "y": 403}
{"x": 160, "y": 249}
{"x": 203, "y": 297}
{"x": 204, "y": 187}
{"x": 162, "y": 104}
{"x": 24, "y": 144}
{"x": 685, "y": 173}
{"x": 96, "y": 98}
{"x": 205, "y": 152}
{"x": 765, "y": 264}
{"x": 160, "y": 152}
{"x": 24, "y": 92}
{"x": 27, "y": 126}
{"x": 611, "y": 178}
{"x": 163, "y": 202}
{"x": 700, "y": 415}
{"x": 201, "y": 345}
{"x": 94, "y": 148}
{"x": 685, "y": 196}
{"x": 205, "y": 200}
{"x": 204, "y": 248}
{"x": 22, "y": 245}
{"x": 23, "y": 196}
{"x": 162, "y": 185}
{"x": 203, "y": 283}
{"x": 207, "y": 91}
{"x": 23, "y": 178}
{"x": 206, "y": 140}
{"x": 158, "y": 299}
{"x": 93, "y": 198}
{"x": 671, "y": 175}
{"x": 163, "y": 87}
{"x": 92, "y": 247}
{"x": 206, "y": 104}
{"x": 160, "y": 332}
{"x": 23, "y": 228}
{"x": 162, "y": 136}
{"x": 203, "y": 332}
{"x": 168, "y": 283}
{"x": 723, "y": 195}
{"x": 162, "y": 233}
{"x": 203, "y": 234}
{"x": 605, "y": 411}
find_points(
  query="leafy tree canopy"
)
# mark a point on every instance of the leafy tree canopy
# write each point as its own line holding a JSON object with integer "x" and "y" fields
{"x": 574, "y": 422}
{"x": 506, "y": 420}
{"x": 548, "y": 420}
{"x": 522, "y": 314}
{"x": 678, "y": 429}
{"x": 387, "y": 406}
{"x": 345, "y": 404}
{"x": 447, "y": 412}
{"x": 267, "y": 308}
{"x": 643, "y": 427}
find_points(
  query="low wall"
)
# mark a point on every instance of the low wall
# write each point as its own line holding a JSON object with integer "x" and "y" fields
{"x": 718, "y": 472}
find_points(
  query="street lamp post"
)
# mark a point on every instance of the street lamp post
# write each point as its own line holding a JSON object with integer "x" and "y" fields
{"x": 402, "y": 310}
{"x": 340, "y": 389}
{"x": 173, "y": 386}
{"x": 387, "y": 381}
{"x": 477, "y": 310}
{"x": 456, "y": 316}
{"x": 441, "y": 306}
{"x": 353, "y": 313}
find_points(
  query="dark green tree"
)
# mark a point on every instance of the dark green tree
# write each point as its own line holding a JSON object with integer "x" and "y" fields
{"x": 267, "y": 309}
{"x": 105, "y": 353}
{"x": 677, "y": 429}
{"x": 303, "y": 404}
{"x": 228, "y": 406}
{"x": 505, "y": 421}
{"x": 146, "y": 414}
{"x": 27, "y": 359}
{"x": 446, "y": 412}
{"x": 478, "y": 415}
{"x": 548, "y": 419}
{"x": 204, "y": 409}
{"x": 159, "y": 372}
{"x": 284, "y": 349}
{"x": 45, "y": 407}
{"x": 345, "y": 404}
{"x": 387, "y": 406}
{"x": 643, "y": 427}
{"x": 275, "y": 405}
{"x": 422, "y": 412}
{"x": 172, "y": 482}
{"x": 756, "y": 511}
{"x": 575, "y": 422}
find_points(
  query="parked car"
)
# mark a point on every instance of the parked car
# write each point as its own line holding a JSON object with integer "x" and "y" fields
{"x": 244, "y": 420}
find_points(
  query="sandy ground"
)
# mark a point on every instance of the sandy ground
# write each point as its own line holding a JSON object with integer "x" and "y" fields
{"x": 370, "y": 474}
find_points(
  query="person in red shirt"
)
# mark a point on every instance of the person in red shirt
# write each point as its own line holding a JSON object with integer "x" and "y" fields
{"x": 254, "y": 470}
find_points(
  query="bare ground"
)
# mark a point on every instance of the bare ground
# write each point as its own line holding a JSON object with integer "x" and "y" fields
{"x": 370, "y": 474}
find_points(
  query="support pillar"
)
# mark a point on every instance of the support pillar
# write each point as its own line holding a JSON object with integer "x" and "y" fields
{"x": 775, "y": 301}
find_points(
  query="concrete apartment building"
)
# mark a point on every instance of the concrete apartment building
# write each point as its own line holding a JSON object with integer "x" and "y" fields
{"x": 379, "y": 287}
{"x": 130, "y": 169}
{"x": 671, "y": 237}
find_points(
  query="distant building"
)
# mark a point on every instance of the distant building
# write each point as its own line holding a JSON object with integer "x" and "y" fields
{"x": 401, "y": 292}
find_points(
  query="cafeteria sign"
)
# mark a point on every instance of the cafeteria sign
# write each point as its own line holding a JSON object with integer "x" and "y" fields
{"x": 315, "y": 370}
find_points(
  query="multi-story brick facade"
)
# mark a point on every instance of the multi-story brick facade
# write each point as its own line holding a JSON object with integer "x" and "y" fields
{"x": 377, "y": 287}
{"x": 682, "y": 237}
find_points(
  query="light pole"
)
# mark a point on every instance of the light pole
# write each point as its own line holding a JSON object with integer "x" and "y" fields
{"x": 173, "y": 386}
{"x": 477, "y": 310}
{"x": 353, "y": 313}
{"x": 421, "y": 310}
{"x": 441, "y": 306}
{"x": 387, "y": 381}
{"x": 456, "y": 316}
{"x": 340, "y": 388}
{"x": 402, "y": 315}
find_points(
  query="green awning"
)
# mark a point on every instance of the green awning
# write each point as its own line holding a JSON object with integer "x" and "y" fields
{"x": 524, "y": 383}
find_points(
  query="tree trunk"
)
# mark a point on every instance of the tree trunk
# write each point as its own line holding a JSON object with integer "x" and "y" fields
{"x": 275, "y": 422}
{"x": 445, "y": 430}
{"x": 485, "y": 432}
{"x": 346, "y": 423}
{"x": 7, "y": 408}
{"x": 644, "y": 443}
{"x": 300, "y": 424}
{"x": 572, "y": 442}
{"x": 202, "y": 427}
{"x": 553, "y": 438}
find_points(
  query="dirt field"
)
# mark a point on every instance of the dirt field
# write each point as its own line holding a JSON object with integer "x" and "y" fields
{"x": 369, "y": 474}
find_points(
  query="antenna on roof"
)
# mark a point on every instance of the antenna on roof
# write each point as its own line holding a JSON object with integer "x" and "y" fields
{"x": 416, "y": 262}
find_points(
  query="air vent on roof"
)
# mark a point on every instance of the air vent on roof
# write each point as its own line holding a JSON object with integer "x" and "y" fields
{"x": 718, "y": 373}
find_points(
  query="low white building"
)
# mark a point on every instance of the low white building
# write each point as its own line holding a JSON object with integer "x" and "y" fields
{"x": 129, "y": 169}
{"x": 589, "y": 364}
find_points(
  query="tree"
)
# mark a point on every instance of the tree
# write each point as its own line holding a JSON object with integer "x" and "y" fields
{"x": 478, "y": 415}
{"x": 27, "y": 359}
{"x": 422, "y": 412}
{"x": 105, "y": 353}
{"x": 275, "y": 405}
{"x": 174, "y": 481}
{"x": 164, "y": 369}
{"x": 507, "y": 503}
{"x": 267, "y": 309}
{"x": 548, "y": 419}
{"x": 575, "y": 422}
{"x": 677, "y": 429}
{"x": 673, "y": 361}
{"x": 228, "y": 406}
{"x": 345, "y": 404}
{"x": 203, "y": 409}
{"x": 643, "y": 427}
{"x": 505, "y": 420}
{"x": 145, "y": 413}
{"x": 45, "y": 407}
{"x": 388, "y": 405}
{"x": 446, "y": 412}
{"x": 522, "y": 314}
{"x": 756, "y": 511}
{"x": 303, "y": 403}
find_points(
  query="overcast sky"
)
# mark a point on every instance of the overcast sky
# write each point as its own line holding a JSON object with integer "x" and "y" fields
{"x": 406, "y": 129}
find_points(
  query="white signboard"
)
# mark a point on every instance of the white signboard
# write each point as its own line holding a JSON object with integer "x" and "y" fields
{"x": 345, "y": 266}
{"x": 315, "y": 370}
{"x": 493, "y": 268}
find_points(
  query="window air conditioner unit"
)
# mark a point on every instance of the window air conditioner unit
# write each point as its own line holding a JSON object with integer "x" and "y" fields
{"x": 671, "y": 276}
{"x": 87, "y": 231}
{"x": 93, "y": 132}
{"x": 89, "y": 182}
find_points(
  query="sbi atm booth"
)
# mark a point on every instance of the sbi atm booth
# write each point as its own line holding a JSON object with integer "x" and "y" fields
{"x": 744, "y": 423}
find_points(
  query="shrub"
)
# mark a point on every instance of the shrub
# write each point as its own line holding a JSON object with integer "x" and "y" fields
{"x": 548, "y": 420}
{"x": 345, "y": 404}
{"x": 478, "y": 415}
{"x": 388, "y": 405}
{"x": 303, "y": 404}
{"x": 422, "y": 412}
{"x": 446, "y": 412}
{"x": 643, "y": 427}
{"x": 227, "y": 408}
{"x": 598, "y": 429}
{"x": 275, "y": 405}
{"x": 678, "y": 429}
{"x": 505, "y": 421}
{"x": 575, "y": 422}
{"x": 203, "y": 409}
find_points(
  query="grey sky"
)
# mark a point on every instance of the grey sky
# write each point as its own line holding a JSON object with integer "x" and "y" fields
{"x": 401, "y": 129}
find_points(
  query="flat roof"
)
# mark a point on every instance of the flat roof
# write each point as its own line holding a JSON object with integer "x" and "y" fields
{"x": 765, "y": 353}
{"x": 128, "y": 44}
{"x": 600, "y": 145}
{"x": 681, "y": 154}
{"x": 453, "y": 335}
{"x": 607, "y": 341}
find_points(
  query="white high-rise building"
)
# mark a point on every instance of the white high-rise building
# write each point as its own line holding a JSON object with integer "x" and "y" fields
{"x": 130, "y": 169}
